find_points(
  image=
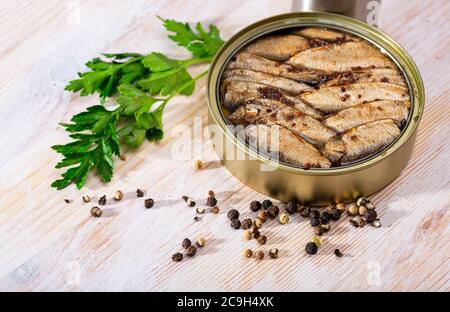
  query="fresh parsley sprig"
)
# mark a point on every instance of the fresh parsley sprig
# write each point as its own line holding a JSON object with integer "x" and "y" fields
{"x": 144, "y": 85}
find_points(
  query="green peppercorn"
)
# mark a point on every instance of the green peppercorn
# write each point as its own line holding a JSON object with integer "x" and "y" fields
{"x": 255, "y": 205}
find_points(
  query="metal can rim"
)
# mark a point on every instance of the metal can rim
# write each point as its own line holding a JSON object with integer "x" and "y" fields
{"x": 383, "y": 41}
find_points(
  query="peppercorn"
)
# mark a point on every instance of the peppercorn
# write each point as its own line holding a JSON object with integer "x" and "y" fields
{"x": 305, "y": 212}
{"x": 273, "y": 253}
{"x": 233, "y": 214}
{"x": 370, "y": 215}
{"x": 266, "y": 204}
{"x": 185, "y": 198}
{"x": 283, "y": 218}
{"x": 255, "y": 205}
{"x": 118, "y": 195}
{"x": 211, "y": 193}
{"x": 376, "y": 223}
{"x": 314, "y": 222}
{"x": 338, "y": 253}
{"x": 291, "y": 207}
{"x": 340, "y": 207}
{"x": 247, "y": 235}
{"x": 357, "y": 222}
{"x": 314, "y": 214}
{"x": 248, "y": 253}
{"x": 258, "y": 223}
{"x": 259, "y": 255}
{"x": 300, "y": 208}
{"x": 318, "y": 231}
{"x": 362, "y": 210}
{"x": 197, "y": 218}
{"x": 211, "y": 201}
{"x": 369, "y": 205}
{"x": 186, "y": 243}
{"x": 148, "y": 203}
{"x": 197, "y": 164}
{"x": 262, "y": 239}
{"x": 236, "y": 224}
{"x": 352, "y": 209}
{"x": 123, "y": 157}
{"x": 191, "y": 251}
{"x": 200, "y": 210}
{"x": 102, "y": 200}
{"x": 273, "y": 211}
{"x": 214, "y": 210}
{"x": 247, "y": 223}
{"x": 325, "y": 227}
{"x": 191, "y": 203}
{"x": 139, "y": 193}
{"x": 201, "y": 242}
{"x": 361, "y": 201}
{"x": 316, "y": 240}
{"x": 263, "y": 215}
{"x": 96, "y": 212}
{"x": 311, "y": 248}
{"x": 86, "y": 199}
{"x": 336, "y": 215}
{"x": 177, "y": 257}
{"x": 256, "y": 233}
{"x": 325, "y": 217}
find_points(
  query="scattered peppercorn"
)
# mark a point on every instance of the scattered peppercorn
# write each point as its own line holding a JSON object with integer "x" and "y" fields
{"x": 273, "y": 253}
{"x": 314, "y": 222}
{"x": 336, "y": 215}
{"x": 236, "y": 224}
{"x": 352, "y": 209}
{"x": 86, "y": 199}
{"x": 191, "y": 203}
{"x": 200, "y": 210}
{"x": 259, "y": 255}
{"x": 263, "y": 215}
{"x": 262, "y": 239}
{"x": 233, "y": 214}
{"x": 338, "y": 253}
{"x": 305, "y": 212}
{"x": 68, "y": 201}
{"x": 291, "y": 207}
{"x": 300, "y": 208}
{"x": 211, "y": 201}
{"x": 376, "y": 223}
{"x": 191, "y": 251}
{"x": 318, "y": 230}
{"x": 248, "y": 253}
{"x": 266, "y": 204}
{"x": 314, "y": 214}
{"x": 201, "y": 242}
{"x": 258, "y": 223}
{"x": 197, "y": 218}
{"x": 362, "y": 210}
{"x": 325, "y": 227}
{"x": 369, "y": 205}
{"x": 96, "y": 212}
{"x": 361, "y": 201}
{"x": 102, "y": 200}
{"x": 123, "y": 157}
{"x": 148, "y": 203}
{"x": 118, "y": 195}
{"x": 197, "y": 164}
{"x": 311, "y": 248}
{"x": 177, "y": 257}
{"x": 186, "y": 243}
{"x": 340, "y": 207}
{"x": 247, "y": 223}
{"x": 370, "y": 215}
{"x": 185, "y": 198}
{"x": 255, "y": 205}
{"x": 357, "y": 222}
{"x": 215, "y": 210}
{"x": 247, "y": 235}
{"x": 211, "y": 193}
{"x": 283, "y": 218}
{"x": 273, "y": 211}
{"x": 256, "y": 233}
{"x": 139, "y": 193}
{"x": 325, "y": 217}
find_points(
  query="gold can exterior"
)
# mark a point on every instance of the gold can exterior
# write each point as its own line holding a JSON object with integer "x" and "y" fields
{"x": 315, "y": 186}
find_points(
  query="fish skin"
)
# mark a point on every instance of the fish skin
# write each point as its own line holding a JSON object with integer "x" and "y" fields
{"x": 362, "y": 141}
{"x": 291, "y": 147}
{"x": 335, "y": 98}
{"x": 263, "y": 111}
{"x": 287, "y": 85}
{"x": 389, "y": 75}
{"x": 237, "y": 93}
{"x": 361, "y": 114}
{"x": 323, "y": 34}
{"x": 341, "y": 57}
{"x": 244, "y": 60}
{"x": 277, "y": 47}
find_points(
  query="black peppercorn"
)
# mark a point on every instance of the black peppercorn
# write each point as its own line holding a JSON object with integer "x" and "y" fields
{"x": 255, "y": 205}
{"x": 305, "y": 212}
{"x": 191, "y": 203}
{"x": 247, "y": 223}
{"x": 68, "y": 201}
{"x": 314, "y": 222}
{"x": 211, "y": 201}
{"x": 185, "y": 198}
{"x": 139, "y": 193}
{"x": 148, "y": 203}
{"x": 338, "y": 253}
{"x": 177, "y": 257}
{"x": 325, "y": 217}
{"x": 370, "y": 215}
{"x": 186, "y": 243}
{"x": 311, "y": 248}
{"x": 273, "y": 211}
{"x": 233, "y": 214}
{"x": 336, "y": 215}
{"x": 291, "y": 207}
{"x": 266, "y": 204}
{"x": 191, "y": 251}
{"x": 236, "y": 224}
{"x": 102, "y": 200}
{"x": 256, "y": 233}
{"x": 314, "y": 214}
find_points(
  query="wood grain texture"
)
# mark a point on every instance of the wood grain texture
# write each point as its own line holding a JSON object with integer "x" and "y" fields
{"x": 46, "y": 244}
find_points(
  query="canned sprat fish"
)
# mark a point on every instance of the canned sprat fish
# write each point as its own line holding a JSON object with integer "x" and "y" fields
{"x": 344, "y": 98}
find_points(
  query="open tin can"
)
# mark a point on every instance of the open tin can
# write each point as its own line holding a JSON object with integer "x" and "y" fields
{"x": 314, "y": 186}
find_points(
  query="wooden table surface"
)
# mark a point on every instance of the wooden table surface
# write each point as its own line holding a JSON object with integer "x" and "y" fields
{"x": 46, "y": 244}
